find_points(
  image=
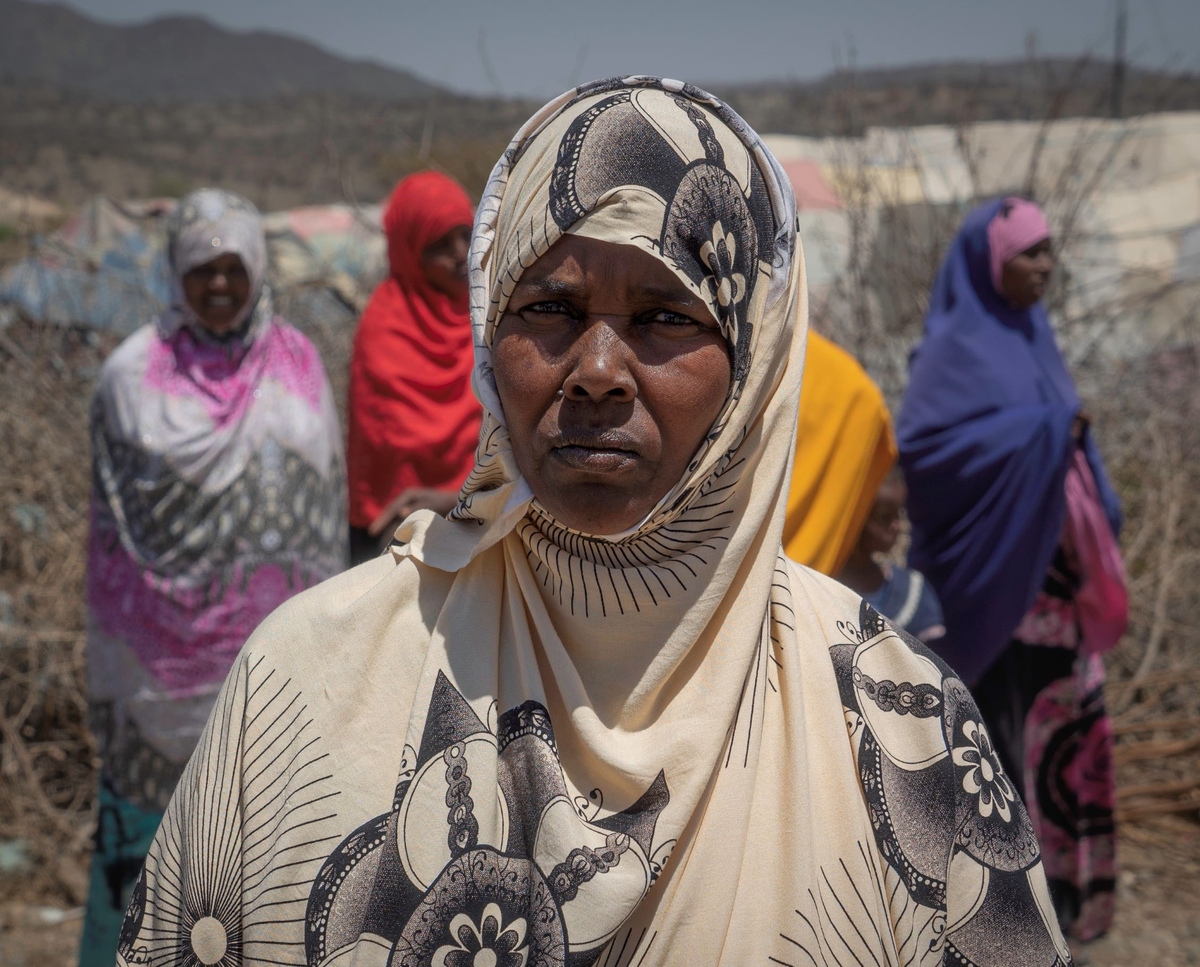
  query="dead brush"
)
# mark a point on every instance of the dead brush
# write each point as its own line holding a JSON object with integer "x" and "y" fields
{"x": 47, "y": 757}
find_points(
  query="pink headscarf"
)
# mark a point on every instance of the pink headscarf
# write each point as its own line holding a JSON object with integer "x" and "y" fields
{"x": 1018, "y": 225}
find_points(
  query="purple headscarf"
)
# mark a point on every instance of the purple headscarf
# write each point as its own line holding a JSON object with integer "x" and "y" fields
{"x": 985, "y": 443}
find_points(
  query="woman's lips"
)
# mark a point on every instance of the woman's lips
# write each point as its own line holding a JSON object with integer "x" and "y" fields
{"x": 595, "y": 459}
{"x": 595, "y": 451}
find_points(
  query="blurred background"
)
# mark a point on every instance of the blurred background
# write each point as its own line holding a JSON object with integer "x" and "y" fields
{"x": 891, "y": 120}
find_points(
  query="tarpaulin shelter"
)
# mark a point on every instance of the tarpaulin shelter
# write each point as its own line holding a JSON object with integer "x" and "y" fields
{"x": 1122, "y": 196}
{"x": 105, "y": 268}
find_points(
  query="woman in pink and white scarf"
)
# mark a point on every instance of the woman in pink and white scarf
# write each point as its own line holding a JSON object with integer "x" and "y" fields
{"x": 218, "y": 493}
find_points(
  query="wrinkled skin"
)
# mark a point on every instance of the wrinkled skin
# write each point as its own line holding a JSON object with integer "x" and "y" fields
{"x": 611, "y": 372}
{"x": 216, "y": 291}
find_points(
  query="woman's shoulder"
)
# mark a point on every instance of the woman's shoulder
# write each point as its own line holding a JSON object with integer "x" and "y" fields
{"x": 947, "y": 820}
{"x": 291, "y": 338}
{"x": 818, "y": 591}
{"x": 847, "y": 623}
{"x": 348, "y": 617}
{"x": 130, "y": 356}
{"x": 292, "y": 359}
{"x": 123, "y": 371}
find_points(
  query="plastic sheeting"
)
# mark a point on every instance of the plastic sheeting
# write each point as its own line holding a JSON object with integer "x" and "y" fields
{"x": 105, "y": 268}
{"x": 1123, "y": 198}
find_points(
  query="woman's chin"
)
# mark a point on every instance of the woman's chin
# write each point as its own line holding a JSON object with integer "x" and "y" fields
{"x": 597, "y": 510}
{"x": 218, "y": 326}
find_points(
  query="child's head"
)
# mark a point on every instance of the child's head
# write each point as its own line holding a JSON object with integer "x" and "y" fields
{"x": 882, "y": 528}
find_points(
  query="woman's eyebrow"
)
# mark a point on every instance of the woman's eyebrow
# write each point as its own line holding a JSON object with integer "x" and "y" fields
{"x": 662, "y": 296}
{"x": 669, "y": 295}
{"x": 550, "y": 286}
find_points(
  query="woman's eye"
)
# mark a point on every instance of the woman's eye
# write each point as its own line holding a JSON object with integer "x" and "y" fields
{"x": 666, "y": 317}
{"x": 545, "y": 311}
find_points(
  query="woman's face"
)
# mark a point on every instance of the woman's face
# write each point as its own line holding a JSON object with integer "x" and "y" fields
{"x": 882, "y": 528}
{"x": 1025, "y": 276}
{"x": 217, "y": 291}
{"x": 610, "y": 372}
{"x": 444, "y": 262}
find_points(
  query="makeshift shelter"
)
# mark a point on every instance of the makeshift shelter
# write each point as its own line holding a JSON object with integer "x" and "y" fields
{"x": 1123, "y": 198}
{"x": 105, "y": 268}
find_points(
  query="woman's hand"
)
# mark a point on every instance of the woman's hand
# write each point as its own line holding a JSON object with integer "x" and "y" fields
{"x": 414, "y": 498}
{"x": 1082, "y": 421}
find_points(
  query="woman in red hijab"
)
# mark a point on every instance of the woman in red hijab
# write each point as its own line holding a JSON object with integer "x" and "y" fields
{"x": 414, "y": 421}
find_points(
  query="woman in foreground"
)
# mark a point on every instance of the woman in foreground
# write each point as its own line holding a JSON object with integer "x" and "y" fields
{"x": 218, "y": 493}
{"x": 596, "y": 716}
{"x": 1015, "y": 524}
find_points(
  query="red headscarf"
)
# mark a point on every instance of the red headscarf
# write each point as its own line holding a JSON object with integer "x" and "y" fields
{"x": 414, "y": 421}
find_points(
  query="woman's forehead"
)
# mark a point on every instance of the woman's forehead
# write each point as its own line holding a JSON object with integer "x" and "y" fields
{"x": 228, "y": 261}
{"x": 586, "y": 269}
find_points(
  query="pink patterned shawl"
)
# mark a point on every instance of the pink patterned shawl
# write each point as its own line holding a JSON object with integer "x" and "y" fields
{"x": 218, "y": 493}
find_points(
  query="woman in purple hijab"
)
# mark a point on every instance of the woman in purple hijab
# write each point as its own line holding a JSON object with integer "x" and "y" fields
{"x": 1014, "y": 523}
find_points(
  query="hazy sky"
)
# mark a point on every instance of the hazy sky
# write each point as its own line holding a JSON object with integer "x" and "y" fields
{"x": 539, "y": 47}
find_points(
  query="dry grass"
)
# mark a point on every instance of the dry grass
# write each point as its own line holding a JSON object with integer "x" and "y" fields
{"x": 47, "y": 763}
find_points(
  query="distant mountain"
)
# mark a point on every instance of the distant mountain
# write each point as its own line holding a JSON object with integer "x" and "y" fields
{"x": 89, "y": 107}
{"x": 179, "y": 59}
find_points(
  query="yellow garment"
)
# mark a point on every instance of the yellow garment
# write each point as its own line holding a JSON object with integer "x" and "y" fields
{"x": 844, "y": 449}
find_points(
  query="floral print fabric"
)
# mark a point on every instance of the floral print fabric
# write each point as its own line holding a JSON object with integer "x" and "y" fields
{"x": 1044, "y": 701}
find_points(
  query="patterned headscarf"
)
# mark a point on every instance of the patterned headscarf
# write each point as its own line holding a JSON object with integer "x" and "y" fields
{"x": 699, "y": 192}
{"x": 208, "y": 223}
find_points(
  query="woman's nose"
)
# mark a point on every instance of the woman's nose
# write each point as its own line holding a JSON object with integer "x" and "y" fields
{"x": 601, "y": 368}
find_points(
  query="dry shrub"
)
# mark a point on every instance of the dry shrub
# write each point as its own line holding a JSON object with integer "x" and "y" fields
{"x": 469, "y": 160}
{"x": 1152, "y": 411}
{"x": 47, "y": 764}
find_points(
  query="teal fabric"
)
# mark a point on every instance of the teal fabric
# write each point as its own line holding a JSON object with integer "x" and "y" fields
{"x": 123, "y": 835}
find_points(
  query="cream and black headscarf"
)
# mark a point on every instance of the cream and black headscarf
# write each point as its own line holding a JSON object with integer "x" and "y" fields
{"x": 513, "y": 743}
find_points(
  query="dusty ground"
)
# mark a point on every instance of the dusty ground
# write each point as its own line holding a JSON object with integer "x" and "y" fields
{"x": 32, "y": 936}
{"x": 1158, "y": 909}
{"x": 1158, "y": 899}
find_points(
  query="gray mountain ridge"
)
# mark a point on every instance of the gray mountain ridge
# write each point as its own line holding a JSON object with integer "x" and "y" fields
{"x": 178, "y": 59}
{"x": 188, "y": 59}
